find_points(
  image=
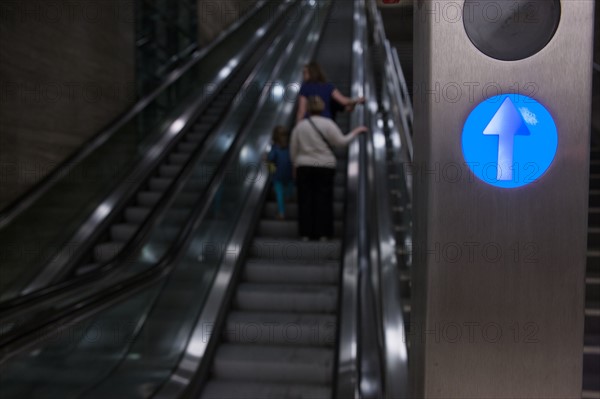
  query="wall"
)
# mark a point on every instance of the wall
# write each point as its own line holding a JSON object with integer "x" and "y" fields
{"x": 66, "y": 71}
{"x": 215, "y": 16}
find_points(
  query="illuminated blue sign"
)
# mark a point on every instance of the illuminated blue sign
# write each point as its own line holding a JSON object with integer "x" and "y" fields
{"x": 509, "y": 140}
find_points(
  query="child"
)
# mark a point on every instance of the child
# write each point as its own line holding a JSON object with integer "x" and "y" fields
{"x": 282, "y": 177}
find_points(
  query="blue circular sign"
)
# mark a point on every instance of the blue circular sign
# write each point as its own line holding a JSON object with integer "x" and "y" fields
{"x": 509, "y": 140}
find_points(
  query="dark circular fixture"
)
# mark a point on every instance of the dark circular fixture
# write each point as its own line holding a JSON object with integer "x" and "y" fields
{"x": 511, "y": 30}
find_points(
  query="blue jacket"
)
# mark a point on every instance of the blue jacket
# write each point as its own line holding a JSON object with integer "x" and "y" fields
{"x": 281, "y": 158}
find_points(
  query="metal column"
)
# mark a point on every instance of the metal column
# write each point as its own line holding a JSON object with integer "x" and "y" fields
{"x": 499, "y": 271}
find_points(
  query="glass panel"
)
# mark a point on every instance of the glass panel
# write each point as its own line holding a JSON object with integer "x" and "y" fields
{"x": 79, "y": 355}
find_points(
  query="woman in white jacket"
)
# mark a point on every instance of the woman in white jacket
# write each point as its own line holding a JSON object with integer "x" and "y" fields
{"x": 314, "y": 164}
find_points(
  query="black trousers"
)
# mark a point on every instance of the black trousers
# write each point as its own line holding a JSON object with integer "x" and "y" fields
{"x": 315, "y": 201}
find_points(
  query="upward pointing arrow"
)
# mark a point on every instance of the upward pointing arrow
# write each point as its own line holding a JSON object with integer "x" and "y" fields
{"x": 506, "y": 124}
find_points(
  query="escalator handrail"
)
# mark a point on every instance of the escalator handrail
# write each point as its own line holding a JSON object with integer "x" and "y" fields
{"x": 133, "y": 245}
{"x": 348, "y": 378}
{"x": 396, "y": 83}
{"x": 385, "y": 276}
{"x": 120, "y": 288}
{"x": 23, "y": 202}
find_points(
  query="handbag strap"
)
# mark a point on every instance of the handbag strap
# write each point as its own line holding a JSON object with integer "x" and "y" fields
{"x": 322, "y": 136}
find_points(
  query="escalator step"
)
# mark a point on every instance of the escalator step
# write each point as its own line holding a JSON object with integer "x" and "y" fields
{"x": 259, "y": 271}
{"x": 286, "y": 298}
{"x": 148, "y": 198}
{"x": 313, "y": 252}
{"x": 186, "y": 147}
{"x": 259, "y": 363}
{"x": 280, "y": 329}
{"x": 178, "y": 158}
{"x": 123, "y": 232}
{"x": 592, "y": 318}
{"x": 136, "y": 214}
{"x": 291, "y": 210}
{"x": 195, "y": 137}
{"x": 159, "y": 183}
{"x": 169, "y": 171}
{"x": 246, "y": 390}
{"x": 592, "y": 287}
{"x": 287, "y": 229}
{"x": 106, "y": 251}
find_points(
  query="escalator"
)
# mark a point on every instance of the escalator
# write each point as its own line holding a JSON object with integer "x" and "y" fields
{"x": 239, "y": 306}
{"x": 279, "y": 339}
{"x": 131, "y": 344}
{"x": 125, "y": 216}
{"x": 194, "y": 157}
{"x": 591, "y": 352}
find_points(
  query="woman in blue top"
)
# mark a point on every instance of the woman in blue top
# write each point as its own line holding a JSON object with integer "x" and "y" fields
{"x": 315, "y": 84}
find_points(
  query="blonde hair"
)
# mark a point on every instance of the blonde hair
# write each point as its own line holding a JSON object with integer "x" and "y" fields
{"x": 316, "y": 105}
{"x": 281, "y": 136}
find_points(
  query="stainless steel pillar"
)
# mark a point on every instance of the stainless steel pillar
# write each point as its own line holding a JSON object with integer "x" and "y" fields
{"x": 498, "y": 280}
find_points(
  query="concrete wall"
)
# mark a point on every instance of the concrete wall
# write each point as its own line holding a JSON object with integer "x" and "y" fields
{"x": 216, "y": 15}
{"x": 67, "y": 69}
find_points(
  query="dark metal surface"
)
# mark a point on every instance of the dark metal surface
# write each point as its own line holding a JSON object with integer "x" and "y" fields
{"x": 510, "y": 30}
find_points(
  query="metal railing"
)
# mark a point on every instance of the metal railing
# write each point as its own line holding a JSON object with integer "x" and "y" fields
{"x": 350, "y": 338}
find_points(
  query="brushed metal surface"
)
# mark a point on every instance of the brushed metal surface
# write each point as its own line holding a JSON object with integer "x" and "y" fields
{"x": 533, "y": 293}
